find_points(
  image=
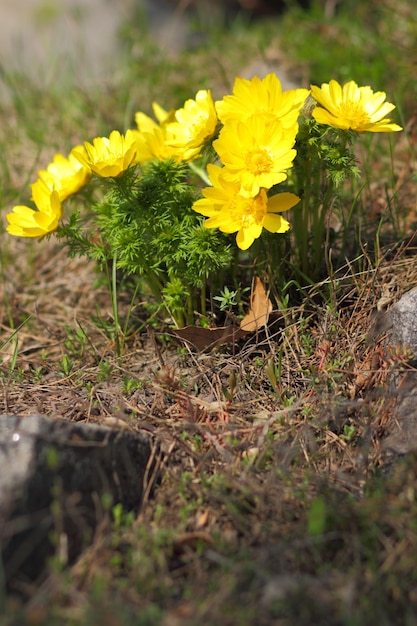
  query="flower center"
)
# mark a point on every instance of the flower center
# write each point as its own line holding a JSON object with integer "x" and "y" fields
{"x": 249, "y": 210}
{"x": 354, "y": 114}
{"x": 258, "y": 161}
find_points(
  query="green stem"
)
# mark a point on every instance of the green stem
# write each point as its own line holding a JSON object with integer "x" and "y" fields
{"x": 200, "y": 172}
{"x": 319, "y": 230}
{"x": 302, "y": 216}
{"x": 203, "y": 295}
{"x": 6, "y": 298}
{"x": 307, "y": 209}
{"x": 190, "y": 306}
{"x": 129, "y": 313}
{"x": 178, "y": 318}
{"x": 154, "y": 285}
{"x": 115, "y": 306}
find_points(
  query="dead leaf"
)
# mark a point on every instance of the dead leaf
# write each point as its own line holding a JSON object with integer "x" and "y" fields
{"x": 207, "y": 338}
{"x": 202, "y": 518}
{"x": 260, "y": 308}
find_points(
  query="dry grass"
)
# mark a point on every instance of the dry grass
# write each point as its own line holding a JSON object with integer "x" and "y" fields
{"x": 270, "y": 494}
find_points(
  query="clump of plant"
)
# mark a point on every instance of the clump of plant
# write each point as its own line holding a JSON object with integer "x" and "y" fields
{"x": 260, "y": 151}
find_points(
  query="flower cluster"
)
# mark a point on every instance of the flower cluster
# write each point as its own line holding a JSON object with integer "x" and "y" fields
{"x": 261, "y": 149}
{"x": 63, "y": 177}
{"x": 256, "y": 148}
{"x": 180, "y": 135}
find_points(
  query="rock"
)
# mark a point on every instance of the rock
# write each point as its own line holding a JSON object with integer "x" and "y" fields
{"x": 402, "y": 318}
{"x": 401, "y": 432}
{"x": 400, "y": 325}
{"x": 57, "y": 483}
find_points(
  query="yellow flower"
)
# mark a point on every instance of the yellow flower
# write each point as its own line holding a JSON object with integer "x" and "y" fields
{"x": 66, "y": 174}
{"x": 146, "y": 124}
{"x": 168, "y": 139}
{"x": 256, "y": 153}
{"x": 195, "y": 123}
{"x": 152, "y": 145}
{"x": 352, "y": 108}
{"x": 108, "y": 156}
{"x": 262, "y": 96}
{"x": 230, "y": 211}
{"x": 26, "y": 222}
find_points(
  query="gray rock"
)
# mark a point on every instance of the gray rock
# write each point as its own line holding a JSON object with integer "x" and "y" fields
{"x": 58, "y": 480}
{"x": 399, "y": 324}
{"x": 401, "y": 436}
{"x": 403, "y": 322}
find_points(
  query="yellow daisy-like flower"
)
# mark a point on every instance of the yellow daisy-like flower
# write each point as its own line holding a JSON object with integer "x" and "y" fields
{"x": 146, "y": 124}
{"x": 230, "y": 211}
{"x": 168, "y": 138}
{"x": 262, "y": 96}
{"x": 256, "y": 153}
{"x": 66, "y": 174}
{"x": 195, "y": 123}
{"x": 108, "y": 156}
{"x": 353, "y": 108}
{"x": 27, "y": 222}
{"x": 152, "y": 145}
{"x": 150, "y": 140}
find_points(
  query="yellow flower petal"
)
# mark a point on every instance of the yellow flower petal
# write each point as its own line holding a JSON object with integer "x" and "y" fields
{"x": 247, "y": 235}
{"x": 282, "y": 202}
{"x": 275, "y": 223}
{"x": 163, "y": 116}
{"x": 46, "y": 200}
{"x": 145, "y": 123}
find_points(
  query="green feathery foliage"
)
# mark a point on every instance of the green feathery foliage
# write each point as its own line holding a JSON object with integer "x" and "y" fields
{"x": 148, "y": 225}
